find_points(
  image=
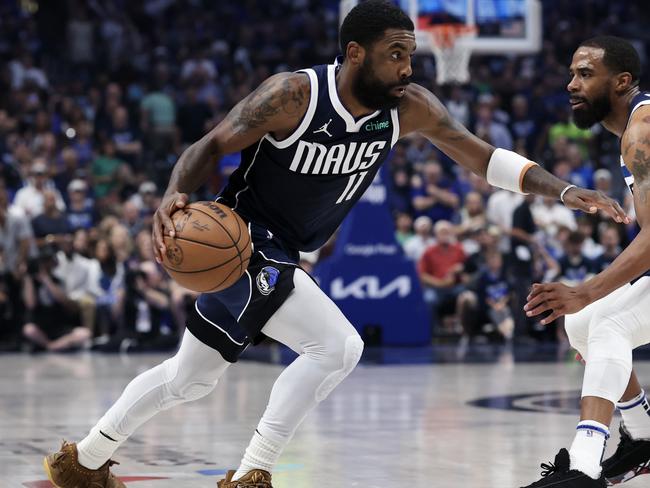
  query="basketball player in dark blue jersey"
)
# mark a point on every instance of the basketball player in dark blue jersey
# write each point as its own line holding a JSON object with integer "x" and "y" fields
{"x": 311, "y": 143}
{"x": 607, "y": 316}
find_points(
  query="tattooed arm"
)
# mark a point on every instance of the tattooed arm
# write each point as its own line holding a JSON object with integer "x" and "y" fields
{"x": 633, "y": 261}
{"x": 276, "y": 106}
{"x": 422, "y": 112}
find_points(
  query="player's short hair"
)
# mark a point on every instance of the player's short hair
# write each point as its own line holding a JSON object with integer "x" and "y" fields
{"x": 367, "y": 22}
{"x": 620, "y": 56}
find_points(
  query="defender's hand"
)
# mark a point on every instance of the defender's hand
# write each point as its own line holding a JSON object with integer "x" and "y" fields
{"x": 162, "y": 222}
{"x": 557, "y": 298}
{"x": 591, "y": 201}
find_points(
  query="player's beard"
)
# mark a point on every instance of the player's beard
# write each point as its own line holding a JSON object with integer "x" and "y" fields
{"x": 374, "y": 93}
{"x": 595, "y": 110}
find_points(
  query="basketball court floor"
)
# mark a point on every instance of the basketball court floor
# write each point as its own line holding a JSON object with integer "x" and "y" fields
{"x": 442, "y": 425}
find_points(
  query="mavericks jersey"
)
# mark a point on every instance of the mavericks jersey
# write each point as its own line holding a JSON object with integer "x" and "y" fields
{"x": 638, "y": 101}
{"x": 301, "y": 188}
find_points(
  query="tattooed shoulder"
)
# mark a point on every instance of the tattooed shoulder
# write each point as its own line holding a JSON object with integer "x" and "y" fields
{"x": 636, "y": 154}
{"x": 283, "y": 95}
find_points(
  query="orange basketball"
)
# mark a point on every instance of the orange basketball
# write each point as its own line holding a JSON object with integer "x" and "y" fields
{"x": 211, "y": 249}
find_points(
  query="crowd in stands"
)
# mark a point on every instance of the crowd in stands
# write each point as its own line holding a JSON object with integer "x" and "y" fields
{"x": 98, "y": 100}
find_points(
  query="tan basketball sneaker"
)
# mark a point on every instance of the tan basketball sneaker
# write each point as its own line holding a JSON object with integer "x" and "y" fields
{"x": 253, "y": 479}
{"x": 64, "y": 471}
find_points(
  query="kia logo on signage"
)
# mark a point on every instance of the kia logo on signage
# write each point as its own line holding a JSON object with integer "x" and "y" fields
{"x": 370, "y": 288}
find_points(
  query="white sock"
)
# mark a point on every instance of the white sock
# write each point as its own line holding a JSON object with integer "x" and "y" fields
{"x": 97, "y": 448}
{"x": 260, "y": 454}
{"x": 636, "y": 416}
{"x": 588, "y": 448}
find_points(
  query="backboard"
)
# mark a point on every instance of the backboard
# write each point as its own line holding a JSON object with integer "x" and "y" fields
{"x": 503, "y": 26}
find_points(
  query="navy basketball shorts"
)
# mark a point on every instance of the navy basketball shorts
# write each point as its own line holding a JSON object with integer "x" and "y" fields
{"x": 232, "y": 319}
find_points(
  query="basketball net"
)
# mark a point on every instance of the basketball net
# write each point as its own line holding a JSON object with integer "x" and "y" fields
{"x": 452, "y": 54}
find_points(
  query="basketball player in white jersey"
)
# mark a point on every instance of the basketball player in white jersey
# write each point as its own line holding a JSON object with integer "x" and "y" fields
{"x": 311, "y": 142}
{"x": 607, "y": 316}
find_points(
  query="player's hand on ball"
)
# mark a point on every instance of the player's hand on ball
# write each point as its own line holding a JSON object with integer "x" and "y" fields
{"x": 590, "y": 201}
{"x": 557, "y": 298}
{"x": 162, "y": 222}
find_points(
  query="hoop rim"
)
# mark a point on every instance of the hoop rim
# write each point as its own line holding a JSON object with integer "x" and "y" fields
{"x": 445, "y": 35}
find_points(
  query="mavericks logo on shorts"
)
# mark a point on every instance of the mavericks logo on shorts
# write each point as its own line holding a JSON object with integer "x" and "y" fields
{"x": 266, "y": 279}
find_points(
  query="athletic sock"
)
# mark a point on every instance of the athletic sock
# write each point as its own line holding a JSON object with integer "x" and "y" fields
{"x": 636, "y": 416}
{"x": 588, "y": 448}
{"x": 97, "y": 448}
{"x": 260, "y": 454}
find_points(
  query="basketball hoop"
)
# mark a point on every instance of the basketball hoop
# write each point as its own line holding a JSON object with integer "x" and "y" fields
{"x": 451, "y": 51}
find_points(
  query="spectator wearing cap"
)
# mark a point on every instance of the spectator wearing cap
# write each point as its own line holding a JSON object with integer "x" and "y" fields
{"x": 146, "y": 200}
{"x": 81, "y": 213}
{"x": 414, "y": 247}
{"x": 31, "y": 197}
{"x": 603, "y": 181}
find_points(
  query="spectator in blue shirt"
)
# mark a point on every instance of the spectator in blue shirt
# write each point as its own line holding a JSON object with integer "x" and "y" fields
{"x": 435, "y": 196}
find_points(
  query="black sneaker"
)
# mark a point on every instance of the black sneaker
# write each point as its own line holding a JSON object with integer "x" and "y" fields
{"x": 631, "y": 459}
{"x": 559, "y": 475}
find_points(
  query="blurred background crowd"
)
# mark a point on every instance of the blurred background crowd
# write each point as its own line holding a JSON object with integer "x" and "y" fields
{"x": 98, "y": 98}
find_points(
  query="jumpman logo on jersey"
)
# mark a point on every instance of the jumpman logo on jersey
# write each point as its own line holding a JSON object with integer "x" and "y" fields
{"x": 324, "y": 128}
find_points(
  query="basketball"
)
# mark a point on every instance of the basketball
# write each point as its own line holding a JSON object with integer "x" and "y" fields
{"x": 211, "y": 249}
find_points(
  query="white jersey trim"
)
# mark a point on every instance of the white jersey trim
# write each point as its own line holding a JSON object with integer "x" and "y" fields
{"x": 640, "y": 104}
{"x": 275, "y": 260}
{"x": 350, "y": 124}
{"x": 196, "y": 306}
{"x": 394, "y": 116}
{"x": 246, "y": 174}
{"x": 250, "y": 294}
{"x": 309, "y": 115}
{"x": 629, "y": 180}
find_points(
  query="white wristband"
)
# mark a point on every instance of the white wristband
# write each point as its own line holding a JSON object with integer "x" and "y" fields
{"x": 568, "y": 187}
{"x": 506, "y": 170}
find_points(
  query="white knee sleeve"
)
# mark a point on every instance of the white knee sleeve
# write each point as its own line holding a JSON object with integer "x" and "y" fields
{"x": 609, "y": 365}
{"x": 577, "y": 330}
{"x": 188, "y": 385}
{"x": 191, "y": 374}
{"x": 617, "y": 327}
{"x": 577, "y": 325}
{"x": 352, "y": 351}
